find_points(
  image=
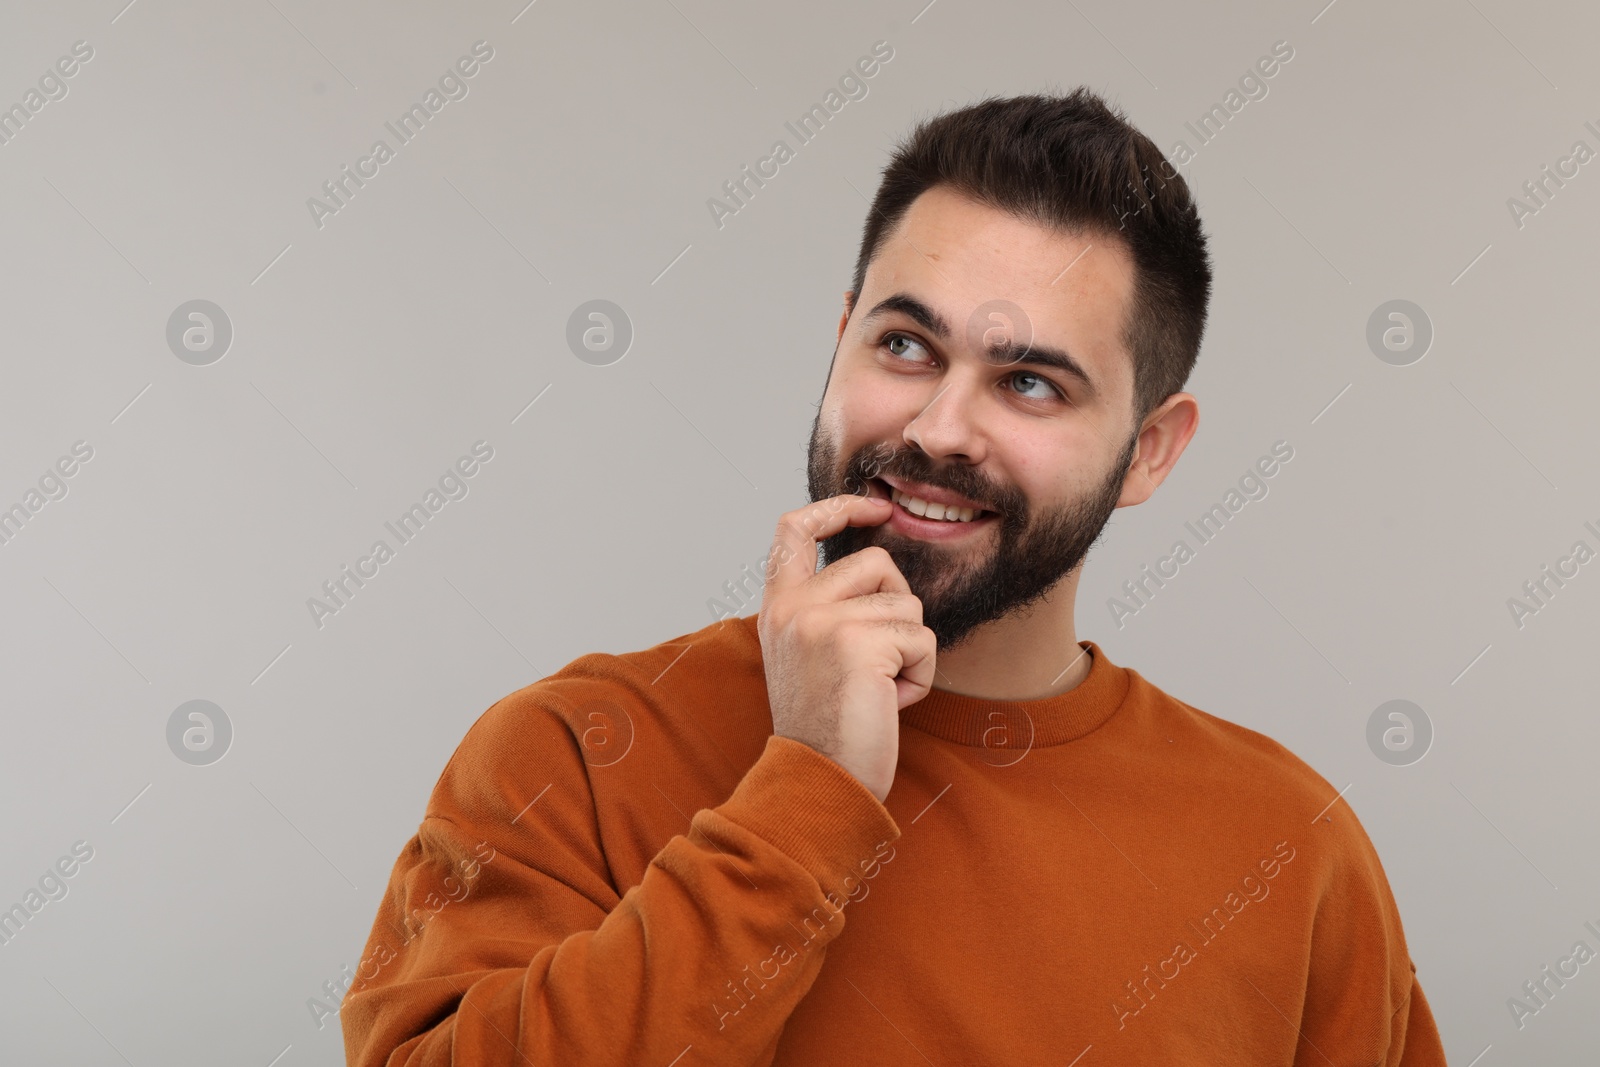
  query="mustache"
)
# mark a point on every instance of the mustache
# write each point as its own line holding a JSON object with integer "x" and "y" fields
{"x": 875, "y": 461}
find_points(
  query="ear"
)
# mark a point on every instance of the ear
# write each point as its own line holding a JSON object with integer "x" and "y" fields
{"x": 1167, "y": 432}
{"x": 849, "y": 305}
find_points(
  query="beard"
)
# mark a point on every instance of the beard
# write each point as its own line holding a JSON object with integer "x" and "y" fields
{"x": 959, "y": 594}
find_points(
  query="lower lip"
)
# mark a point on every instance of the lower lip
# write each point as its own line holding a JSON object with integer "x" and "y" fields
{"x": 903, "y": 521}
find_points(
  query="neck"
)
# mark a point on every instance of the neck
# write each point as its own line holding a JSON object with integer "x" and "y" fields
{"x": 1026, "y": 656}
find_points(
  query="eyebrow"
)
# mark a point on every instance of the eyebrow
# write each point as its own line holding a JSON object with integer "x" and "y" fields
{"x": 1008, "y": 353}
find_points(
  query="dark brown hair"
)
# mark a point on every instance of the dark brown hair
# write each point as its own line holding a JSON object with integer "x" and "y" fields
{"x": 1074, "y": 164}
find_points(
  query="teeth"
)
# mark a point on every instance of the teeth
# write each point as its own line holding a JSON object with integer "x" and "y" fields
{"x": 918, "y": 506}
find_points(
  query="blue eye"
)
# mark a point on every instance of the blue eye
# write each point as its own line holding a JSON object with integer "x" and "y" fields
{"x": 891, "y": 339}
{"x": 1045, "y": 382}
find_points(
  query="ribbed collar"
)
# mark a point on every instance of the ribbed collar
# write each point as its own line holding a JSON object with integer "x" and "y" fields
{"x": 1024, "y": 724}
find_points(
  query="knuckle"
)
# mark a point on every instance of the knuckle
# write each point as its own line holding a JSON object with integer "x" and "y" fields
{"x": 876, "y": 554}
{"x": 872, "y": 560}
{"x": 811, "y": 625}
{"x": 800, "y": 623}
{"x": 913, "y": 607}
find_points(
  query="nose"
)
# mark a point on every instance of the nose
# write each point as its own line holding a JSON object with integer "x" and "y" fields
{"x": 947, "y": 427}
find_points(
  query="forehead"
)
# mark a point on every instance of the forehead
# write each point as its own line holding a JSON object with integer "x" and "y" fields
{"x": 956, "y": 254}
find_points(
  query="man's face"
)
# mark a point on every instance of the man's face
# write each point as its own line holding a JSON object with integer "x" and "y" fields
{"x": 920, "y": 393}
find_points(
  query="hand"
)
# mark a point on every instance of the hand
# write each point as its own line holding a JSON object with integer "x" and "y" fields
{"x": 844, "y": 649}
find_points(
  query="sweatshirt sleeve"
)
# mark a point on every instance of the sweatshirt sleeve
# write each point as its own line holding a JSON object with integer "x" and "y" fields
{"x": 502, "y": 939}
{"x": 1363, "y": 1003}
{"x": 1416, "y": 1040}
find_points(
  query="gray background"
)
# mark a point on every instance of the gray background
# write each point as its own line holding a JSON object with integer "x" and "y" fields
{"x": 429, "y": 313}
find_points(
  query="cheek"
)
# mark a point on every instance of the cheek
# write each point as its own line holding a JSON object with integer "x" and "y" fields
{"x": 1030, "y": 464}
{"x": 1047, "y": 470}
{"x": 870, "y": 405}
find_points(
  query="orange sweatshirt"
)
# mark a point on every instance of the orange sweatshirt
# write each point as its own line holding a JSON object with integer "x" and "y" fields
{"x": 622, "y": 864}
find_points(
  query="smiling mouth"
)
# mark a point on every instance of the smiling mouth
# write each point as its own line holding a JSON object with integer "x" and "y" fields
{"x": 927, "y": 510}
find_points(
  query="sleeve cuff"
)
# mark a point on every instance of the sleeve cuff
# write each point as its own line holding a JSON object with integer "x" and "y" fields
{"x": 817, "y": 812}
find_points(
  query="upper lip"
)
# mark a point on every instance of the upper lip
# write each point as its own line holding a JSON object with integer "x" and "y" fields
{"x": 931, "y": 494}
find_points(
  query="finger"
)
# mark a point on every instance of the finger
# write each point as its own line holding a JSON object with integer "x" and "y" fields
{"x": 916, "y": 647}
{"x": 871, "y": 570}
{"x": 882, "y": 606}
{"x": 793, "y": 558}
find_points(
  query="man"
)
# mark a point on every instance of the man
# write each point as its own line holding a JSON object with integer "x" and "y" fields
{"x": 653, "y": 858}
